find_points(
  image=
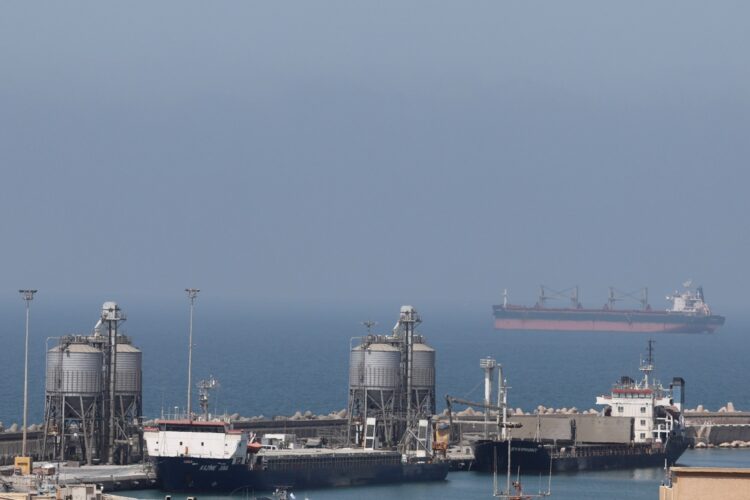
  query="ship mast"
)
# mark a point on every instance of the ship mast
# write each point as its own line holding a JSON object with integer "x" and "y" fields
{"x": 647, "y": 365}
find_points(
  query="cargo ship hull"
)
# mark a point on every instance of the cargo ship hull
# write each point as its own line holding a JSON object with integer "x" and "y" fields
{"x": 589, "y": 320}
{"x": 531, "y": 456}
{"x": 210, "y": 475}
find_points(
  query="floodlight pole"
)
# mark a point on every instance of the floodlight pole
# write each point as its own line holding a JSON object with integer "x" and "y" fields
{"x": 28, "y": 296}
{"x": 192, "y": 294}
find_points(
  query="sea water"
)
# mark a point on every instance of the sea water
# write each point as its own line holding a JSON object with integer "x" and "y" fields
{"x": 279, "y": 359}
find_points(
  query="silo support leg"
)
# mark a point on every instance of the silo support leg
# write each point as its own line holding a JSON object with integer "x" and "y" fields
{"x": 87, "y": 455}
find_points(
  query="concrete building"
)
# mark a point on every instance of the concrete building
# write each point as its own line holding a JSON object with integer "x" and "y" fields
{"x": 702, "y": 483}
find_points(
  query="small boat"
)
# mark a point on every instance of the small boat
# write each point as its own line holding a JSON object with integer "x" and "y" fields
{"x": 280, "y": 493}
{"x": 517, "y": 492}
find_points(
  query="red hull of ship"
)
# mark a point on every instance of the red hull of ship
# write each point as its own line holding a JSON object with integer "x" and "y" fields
{"x": 595, "y": 326}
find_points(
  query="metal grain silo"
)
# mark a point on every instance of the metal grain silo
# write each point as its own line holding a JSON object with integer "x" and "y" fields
{"x": 374, "y": 366}
{"x": 423, "y": 377}
{"x": 53, "y": 378}
{"x": 381, "y": 367}
{"x": 423, "y": 370}
{"x": 374, "y": 381}
{"x": 74, "y": 372}
{"x": 357, "y": 367}
{"x": 128, "y": 370}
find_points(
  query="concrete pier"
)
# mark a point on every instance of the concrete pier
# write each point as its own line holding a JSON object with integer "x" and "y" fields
{"x": 108, "y": 477}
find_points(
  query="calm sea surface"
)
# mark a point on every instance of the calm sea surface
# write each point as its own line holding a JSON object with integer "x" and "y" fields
{"x": 278, "y": 360}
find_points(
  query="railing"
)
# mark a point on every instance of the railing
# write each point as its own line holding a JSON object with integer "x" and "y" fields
{"x": 603, "y": 451}
{"x": 328, "y": 462}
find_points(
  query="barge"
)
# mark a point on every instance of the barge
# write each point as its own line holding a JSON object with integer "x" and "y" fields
{"x": 191, "y": 456}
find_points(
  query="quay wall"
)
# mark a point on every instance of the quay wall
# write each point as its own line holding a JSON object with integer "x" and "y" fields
{"x": 716, "y": 428}
{"x": 11, "y": 444}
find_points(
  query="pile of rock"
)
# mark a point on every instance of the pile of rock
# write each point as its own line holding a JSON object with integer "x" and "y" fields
{"x": 540, "y": 410}
{"x": 252, "y": 419}
{"x": 735, "y": 444}
{"x": 308, "y": 415}
{"x": 729, "y": 408}
{"x": 543, "y": 410}
{"x": 469, "y": 412}
{"x": 728, "y": 444}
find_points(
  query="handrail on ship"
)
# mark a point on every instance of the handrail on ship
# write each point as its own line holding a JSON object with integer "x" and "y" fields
{"x": 580, "y": 452}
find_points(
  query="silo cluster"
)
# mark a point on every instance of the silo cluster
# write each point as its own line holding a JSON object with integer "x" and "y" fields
{"x": 391, "y": 379}
{"x": 93, "y": 395}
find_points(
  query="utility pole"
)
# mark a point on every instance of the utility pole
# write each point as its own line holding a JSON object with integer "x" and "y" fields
{"x": 28, "y": 296}
{"x": 192, "y": 294}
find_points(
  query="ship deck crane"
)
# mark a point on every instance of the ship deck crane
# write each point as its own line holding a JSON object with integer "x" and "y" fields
{"x": 546, "y": 293}
{"x": 640, "y": 296}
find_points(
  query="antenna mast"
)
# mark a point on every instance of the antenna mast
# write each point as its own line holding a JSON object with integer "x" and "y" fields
{"x": 204, "y": 387}
{"x": 647, "y": 365}
{"x": 369, "y": 324}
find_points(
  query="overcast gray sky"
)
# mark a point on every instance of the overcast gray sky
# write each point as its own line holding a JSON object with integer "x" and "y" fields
{"x": 356, "y": 151}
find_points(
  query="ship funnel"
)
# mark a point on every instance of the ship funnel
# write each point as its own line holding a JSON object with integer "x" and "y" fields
{"x": 678, "y": 392}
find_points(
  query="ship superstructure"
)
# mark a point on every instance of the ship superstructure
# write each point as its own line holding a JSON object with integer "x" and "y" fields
{"x": 687, "y": 313}
{"x": 689, "y": 301}
{"x": 196, "y": 439}
{"x": 655, "y": 412}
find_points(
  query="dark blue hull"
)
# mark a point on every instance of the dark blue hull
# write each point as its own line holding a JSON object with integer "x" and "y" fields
{"x": 533, "y": 456}
{"x": 193, "y": 474}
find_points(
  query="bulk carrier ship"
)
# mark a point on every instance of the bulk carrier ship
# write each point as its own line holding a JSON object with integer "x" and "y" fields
{"x": 688, "y": 313}
{"x": 652, "y": 412}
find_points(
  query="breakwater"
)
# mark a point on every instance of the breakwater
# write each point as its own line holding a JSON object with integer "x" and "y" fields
{"x": 726, "y": 428}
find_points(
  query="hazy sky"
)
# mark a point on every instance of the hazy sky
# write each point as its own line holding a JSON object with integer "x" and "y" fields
{"x": 407, "y": 151}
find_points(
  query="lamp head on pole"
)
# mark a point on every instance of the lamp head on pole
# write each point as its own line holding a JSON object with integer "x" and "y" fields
{"x": 27, "y": 295}
{"x": 192, "y": 293}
